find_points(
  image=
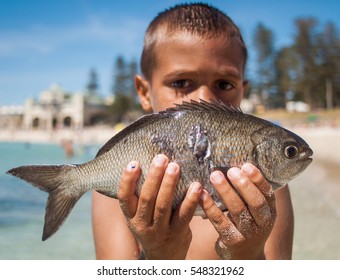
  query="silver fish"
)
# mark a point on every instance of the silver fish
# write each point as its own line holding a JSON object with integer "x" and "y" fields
{"x": 200, "y": 136}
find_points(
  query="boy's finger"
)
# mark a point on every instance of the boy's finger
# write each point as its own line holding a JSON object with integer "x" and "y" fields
{"x": 256, "y": 201}
{"x": 126, "y": 192}
{"x": 186, "y": 210}
{"x": 260, "y": 182}
{"x": 163, "y": 207}
{"x": 150, "y": 188}
{"x": 229, "y": 196}
{"x": 223, "y": 225}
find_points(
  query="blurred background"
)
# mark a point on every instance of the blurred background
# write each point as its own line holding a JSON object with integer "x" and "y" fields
{"x": 66, "y": 86}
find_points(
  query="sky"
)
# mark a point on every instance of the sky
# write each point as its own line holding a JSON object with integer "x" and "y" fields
{"x": 44, "y": 42}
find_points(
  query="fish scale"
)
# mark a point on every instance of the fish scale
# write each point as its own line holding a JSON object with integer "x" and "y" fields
{"x": 200, "y": 136}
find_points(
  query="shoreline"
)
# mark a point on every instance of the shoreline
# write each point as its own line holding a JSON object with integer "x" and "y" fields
{"x": 317, "y": 137}
{"x": 86, "y": 136}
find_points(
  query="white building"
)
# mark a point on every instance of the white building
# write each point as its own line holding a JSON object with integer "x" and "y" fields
{"x": 11, "y": 116}
{"x": 297, "y": 106}
{"x": 56, "y": 109}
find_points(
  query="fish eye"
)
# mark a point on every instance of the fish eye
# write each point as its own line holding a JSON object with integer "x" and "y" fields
{"x": 291, "y": 151}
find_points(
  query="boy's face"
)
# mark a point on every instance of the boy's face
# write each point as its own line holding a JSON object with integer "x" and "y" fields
{"x": 188, "y": 67}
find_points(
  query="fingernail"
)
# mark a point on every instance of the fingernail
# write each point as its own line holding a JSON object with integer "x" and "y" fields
{"x": 234, "y": 172}
{"x": 248, "y": 168}
{"x": 160, "y": 160}
{"x": 132, "y": 165}
{"x": 172, "y": 168}
{"x": 195, "y": 187}
{"x": 216, "y": 177}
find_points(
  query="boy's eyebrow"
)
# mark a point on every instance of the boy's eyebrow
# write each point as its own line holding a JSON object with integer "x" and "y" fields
{"x": 176, "y": 74}
{"x": 233, "y": 73}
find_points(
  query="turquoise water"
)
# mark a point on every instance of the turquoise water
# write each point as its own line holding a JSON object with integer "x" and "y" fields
{"x": 22, "y": 208}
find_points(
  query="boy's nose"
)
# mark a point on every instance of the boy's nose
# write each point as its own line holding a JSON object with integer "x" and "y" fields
{"x": 205, "y": 93}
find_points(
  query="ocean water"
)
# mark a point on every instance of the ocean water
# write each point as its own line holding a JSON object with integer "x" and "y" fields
{"x": 22, "y": 208}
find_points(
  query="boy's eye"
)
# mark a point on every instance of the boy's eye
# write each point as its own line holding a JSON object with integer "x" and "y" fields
{"x": 180, "y": 84}
{"x": 224, "y": 85}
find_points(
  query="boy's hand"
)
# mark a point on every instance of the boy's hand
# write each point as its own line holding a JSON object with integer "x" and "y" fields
{"x": 244, "y": 229}
{"x": 162, "y": 234}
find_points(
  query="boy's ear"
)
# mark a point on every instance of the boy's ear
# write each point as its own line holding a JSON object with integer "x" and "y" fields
{"x": 143, "y": 91}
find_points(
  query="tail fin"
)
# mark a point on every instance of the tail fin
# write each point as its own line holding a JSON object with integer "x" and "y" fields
{"x": 54, "y": 179}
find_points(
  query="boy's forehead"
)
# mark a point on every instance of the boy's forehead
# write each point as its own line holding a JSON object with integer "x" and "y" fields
{"x": 186, "y": 42}
{"x": 186, "y": 56}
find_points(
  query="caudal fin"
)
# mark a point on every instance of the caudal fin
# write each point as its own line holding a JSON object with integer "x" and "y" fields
{"x": 56, "y": 180}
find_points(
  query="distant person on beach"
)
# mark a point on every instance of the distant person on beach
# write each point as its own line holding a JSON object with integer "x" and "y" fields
{"x": 68, "y": 148}
{"x": 192, "y": 51}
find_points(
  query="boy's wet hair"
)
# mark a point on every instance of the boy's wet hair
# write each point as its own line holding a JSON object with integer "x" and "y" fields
{"x": 198, "y": 19}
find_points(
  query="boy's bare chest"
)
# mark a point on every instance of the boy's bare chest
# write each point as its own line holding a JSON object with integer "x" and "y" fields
{"x": 204, "y": 237}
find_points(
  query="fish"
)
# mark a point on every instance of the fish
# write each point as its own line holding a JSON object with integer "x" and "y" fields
{"x": 201, "y": 136}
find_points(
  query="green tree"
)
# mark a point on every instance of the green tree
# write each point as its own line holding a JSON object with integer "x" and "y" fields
{"x": 306, "y": 49}
{"x": 92, "y": 85}
{"x": 119, "y": 77}
{"x": 329, "y": 59}
{"x": 263, "y": 41}
{"x": 307, "y": 70}
{"x": 123, "y": 78}
{"x": 286, "y": 73}
{"x": 123, "y": 89}
{"x": 131, "y": 91}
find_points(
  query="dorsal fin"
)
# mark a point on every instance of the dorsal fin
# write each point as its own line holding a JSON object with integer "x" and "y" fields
{"x": 201, "y": 105}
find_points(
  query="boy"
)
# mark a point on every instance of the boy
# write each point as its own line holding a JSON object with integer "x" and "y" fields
{"x": 195, "y": 52}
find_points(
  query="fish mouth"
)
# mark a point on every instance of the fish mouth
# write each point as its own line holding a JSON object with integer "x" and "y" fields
{"x": 307, "y": 155}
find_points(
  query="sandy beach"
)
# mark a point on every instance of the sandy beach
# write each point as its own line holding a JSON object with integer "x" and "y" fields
{"x": 315, "y": 193}
{"x": 316, "y": 197}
